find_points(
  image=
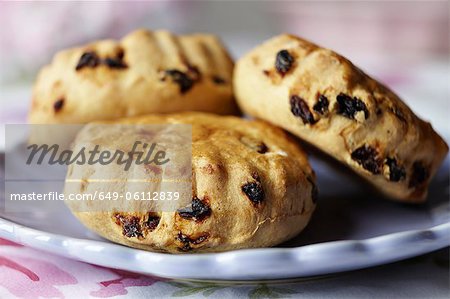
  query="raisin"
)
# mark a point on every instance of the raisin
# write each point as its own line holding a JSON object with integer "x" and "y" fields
{"x": 184, "y": 81}
{"x": 283, "y": 62}
{"x": 262, "y": 148}
{"x": 322, "y": 105}
{"x": 368, "y": 158}
{"x": 115, "y": 63}
{"x": 197, "y": 211}
{"x": 187, "y": 241}
{"x": 88, "y": 59}
{"x": 130, "y": 225}
{"x": 120, "y": 54}
{"x": 218, "y": 80}
{"x": 152, "y": 222}
{"x": 300, "y": 108}
{"x": 396, "y": 172}
{"x": 314, "y": 190}
{"x": 200, "y": 239}
{"x": 258, "y": 146}
{"x": 419, "y": 175}
{"x": 57, "y": 106}
{"x": 349, "y": 106}
{"x": 254, "y": 191}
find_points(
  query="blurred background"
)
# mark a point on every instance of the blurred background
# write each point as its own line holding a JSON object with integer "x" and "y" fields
{"x": 404, "y": 44}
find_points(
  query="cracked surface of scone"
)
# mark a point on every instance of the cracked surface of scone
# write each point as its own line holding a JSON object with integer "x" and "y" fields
{"x": 145, "y": 72}
{"x": 252, "y": 186}
{"x": 324, "y": 99}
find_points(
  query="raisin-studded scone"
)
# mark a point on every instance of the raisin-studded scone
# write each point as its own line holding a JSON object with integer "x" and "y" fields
{"x": 324, "y": 99}
{"x": 145, "y": 72}
{"x": 252, "y": 186}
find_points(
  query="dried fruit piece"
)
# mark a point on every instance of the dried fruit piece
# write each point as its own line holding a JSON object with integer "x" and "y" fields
{"x": 115, "y": 63}
{"x": 132, "y": 228}
{"x": 200, "y": 239}
{"x": 57, "y": 106}
{"x": 419, "y": 175}
{"x": 283, "y": 62}
{"x": 300, "y": 108}
{"x": 258, "y": 146}
{"x": 322, "y": 105}
{"x": 396, "y": 172}
{"x": 254, "y": 191}
{"x": 152, "y": 222}
{"x": 349, "y": 107}
{"x": 88, "y": 59}
{"x": 184, "y": 81}
{"x": 198, "y": 210}
{"x": 91, "y": 59}
{"x": 367, "y": 157}
{"x": 187, "y": 241}
{"x": 218, "y": 80}
{"x": 130, "y": 225}
{"x": 262, "y": 148}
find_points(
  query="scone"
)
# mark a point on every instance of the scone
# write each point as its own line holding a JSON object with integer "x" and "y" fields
{"x": 252, "y": 186}
{"x": 324, "y": 99}
{"x": 145, "y": 72}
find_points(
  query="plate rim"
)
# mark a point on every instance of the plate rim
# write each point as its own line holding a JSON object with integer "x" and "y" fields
{"x": 280, "y": 263}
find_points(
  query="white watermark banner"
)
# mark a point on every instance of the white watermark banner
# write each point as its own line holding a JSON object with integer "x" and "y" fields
{"x": 98, "y": 167}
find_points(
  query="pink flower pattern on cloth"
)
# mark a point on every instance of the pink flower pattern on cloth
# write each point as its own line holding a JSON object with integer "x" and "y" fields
{"x": 117, "y": 286}
{"x": 28, "y": 273}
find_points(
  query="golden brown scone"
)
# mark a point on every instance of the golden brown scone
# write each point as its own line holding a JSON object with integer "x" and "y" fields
{"x": 324, "y": 99}
{"x": 145, "y": 72}
{"x": 252, "y": 186}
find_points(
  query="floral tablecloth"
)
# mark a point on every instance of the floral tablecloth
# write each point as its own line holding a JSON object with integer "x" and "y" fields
{"x": 29, "y": 273}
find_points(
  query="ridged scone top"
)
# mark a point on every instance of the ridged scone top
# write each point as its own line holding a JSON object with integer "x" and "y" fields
{"x": 145, "y": 72}
{"x": 323, "y": 98}
{"x": 252, "y": 187}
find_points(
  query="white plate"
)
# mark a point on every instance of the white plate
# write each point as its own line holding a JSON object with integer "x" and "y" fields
{"x": 352, "y": 229}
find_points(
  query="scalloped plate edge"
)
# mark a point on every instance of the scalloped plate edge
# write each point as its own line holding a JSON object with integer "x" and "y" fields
{"x": 246, "y": 264}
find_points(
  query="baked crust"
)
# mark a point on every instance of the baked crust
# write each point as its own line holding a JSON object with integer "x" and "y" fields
{"x": 324, "y": 99}
{"x": 251, "y": 181}
{"x": 145, "y": 72}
